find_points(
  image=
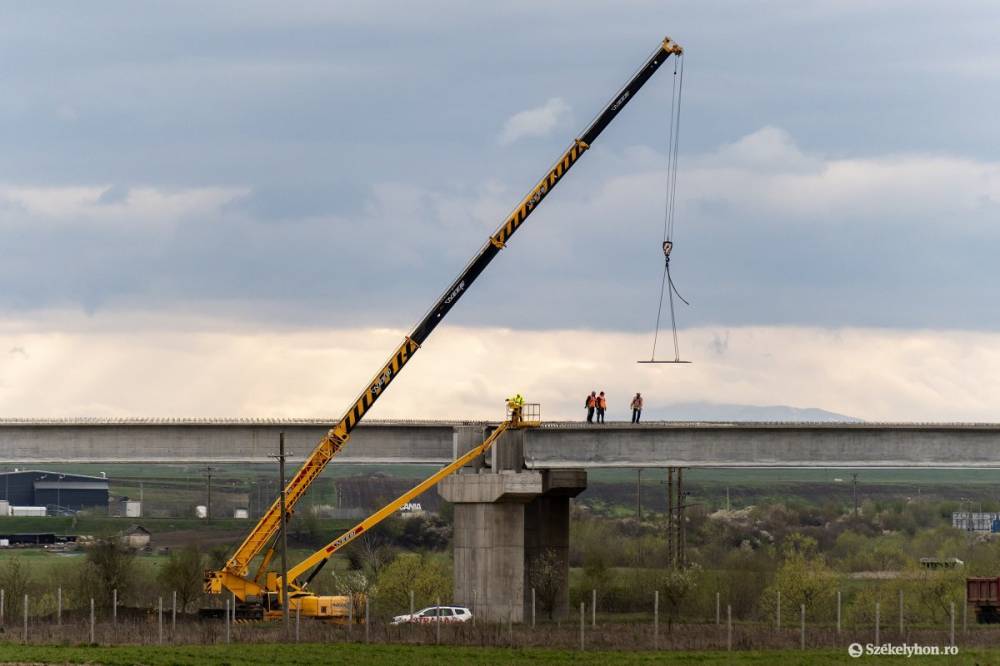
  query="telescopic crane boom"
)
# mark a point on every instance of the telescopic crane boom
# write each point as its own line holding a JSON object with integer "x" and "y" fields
{"x": 232, "y": 575}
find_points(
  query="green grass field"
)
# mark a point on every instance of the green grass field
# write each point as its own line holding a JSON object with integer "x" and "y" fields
{"x": 374, "y": 655}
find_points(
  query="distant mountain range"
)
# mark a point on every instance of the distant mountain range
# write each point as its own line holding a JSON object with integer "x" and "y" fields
{"x": 711, "y": 411}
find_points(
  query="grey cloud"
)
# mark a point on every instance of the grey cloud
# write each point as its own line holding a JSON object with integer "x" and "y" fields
{"x": 365, "y": 136}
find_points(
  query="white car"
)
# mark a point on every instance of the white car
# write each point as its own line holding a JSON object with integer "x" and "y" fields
{"x": 436, "y": 614}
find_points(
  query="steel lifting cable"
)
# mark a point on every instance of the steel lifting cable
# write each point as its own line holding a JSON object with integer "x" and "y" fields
{"x": 673, "y": 142}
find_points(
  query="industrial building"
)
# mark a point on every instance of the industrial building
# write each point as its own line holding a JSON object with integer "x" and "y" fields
{"x": 58, "y": 491}
{"x": 976, "y": 521}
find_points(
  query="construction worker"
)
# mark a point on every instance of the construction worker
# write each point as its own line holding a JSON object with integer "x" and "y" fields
{"x": 636, "y": 407}
{"x": 516, "y": 406}
{"x": 591, "y": 405}
{"x": 602, "y": 404}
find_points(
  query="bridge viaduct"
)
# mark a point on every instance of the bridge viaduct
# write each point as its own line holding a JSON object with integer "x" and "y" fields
{"x": 512, "y": 505}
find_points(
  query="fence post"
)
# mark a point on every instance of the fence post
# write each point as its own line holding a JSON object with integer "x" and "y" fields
{"x": 777, "y": 613}
{"x": 173, "y": 614}
{"x": 582, "y": 604}
{"x": 593, "y": 608}
{"x": 532, "y": 608}
{"x": 802, "y": 627}
{"x": 159, "y": 617}
{"x": 656, "y": 620}
{"x": 952, "y": 633}
{"x": 838, "y": 612}
{"x": 718, "y": 609}
{"x": 729, "y": 627}
{"x": 475, "y": 608}
{"x": 350, "y": 610}
{"x": 3, "y": 593}
{"x": 114, "y": 607}
{"x": 92, "y": 641}
{"x": 965, "y": 612}
{"x": 58, "y": 606}
{"x": 298, "y": 615}
{"x": 412, "y": 608}
{"x": 229, "y": 619}
{"x": 26, "y": 618}
{"x": 437, "y": 622}
{"x": 900, "y": 612}
{"x": 368, "y": 617}
{"x": 877, "y": 623}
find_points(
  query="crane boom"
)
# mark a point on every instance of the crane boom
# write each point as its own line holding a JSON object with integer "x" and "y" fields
{"x": 327, "y": 551}
{"x": 334, "y": 440}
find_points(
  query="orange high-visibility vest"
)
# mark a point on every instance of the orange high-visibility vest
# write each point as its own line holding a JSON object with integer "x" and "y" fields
{"x": 602, "y": 403}
{"x": 591, "y": 401}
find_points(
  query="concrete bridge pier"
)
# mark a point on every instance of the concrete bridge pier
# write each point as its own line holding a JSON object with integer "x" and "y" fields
{"x": 505, "y": 518}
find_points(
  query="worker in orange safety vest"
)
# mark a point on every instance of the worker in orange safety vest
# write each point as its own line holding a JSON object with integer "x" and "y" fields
{"x": 591, "y": 405}
{"x": 602, "y": 404}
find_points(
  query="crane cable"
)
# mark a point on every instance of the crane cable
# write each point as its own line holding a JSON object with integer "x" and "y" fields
{"x": 667, "y": 283}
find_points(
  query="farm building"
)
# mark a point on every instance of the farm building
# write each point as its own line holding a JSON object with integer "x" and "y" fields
{"x": 56, "y": 490}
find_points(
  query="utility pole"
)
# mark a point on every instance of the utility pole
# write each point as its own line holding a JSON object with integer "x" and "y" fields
{"x": 208, "y": 505}
{"x": 671, "y": 546}
{"x": 681, "y": 530}
{"x": 855, "y": 483}
{"x": 638, "y": 494}
{"x": 284, "y": 536}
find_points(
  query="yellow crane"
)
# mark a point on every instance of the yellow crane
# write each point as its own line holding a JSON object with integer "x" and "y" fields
{"x": 261, "y": 596}
{"x": 234, "y": 575}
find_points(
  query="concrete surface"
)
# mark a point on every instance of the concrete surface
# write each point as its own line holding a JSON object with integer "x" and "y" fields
{"x": 553, "y": 446}
{"x": 220, "y": 441}
{"x": 504, "y": 522}
{"x": 823, "y": 445}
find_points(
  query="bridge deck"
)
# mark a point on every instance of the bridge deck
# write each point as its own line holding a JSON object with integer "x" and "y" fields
{"x": 554, "y": 445}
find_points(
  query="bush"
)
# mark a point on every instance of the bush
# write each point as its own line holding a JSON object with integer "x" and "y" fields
{"x": 109, "y": 566}
{"x": 15, "y": 579}
{"x": 183, "y": 573}
{"x": 429, "y": 577}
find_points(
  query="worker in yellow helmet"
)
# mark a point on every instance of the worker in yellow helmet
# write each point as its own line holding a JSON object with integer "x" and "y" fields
{"x": 515, "y": 404}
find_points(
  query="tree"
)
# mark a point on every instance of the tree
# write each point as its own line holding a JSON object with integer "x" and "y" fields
{"x": 109, "y": 566}
{"x": 217, "y": 557}
{"x": 15, "y": 578}
{"x": 545, "y": 574}
{"x": 369, "y": 553}
{"x": 429, "y": 577}
{"x": 802, "y": 579}
{"x": 307, "y": 529}
{"x": 677, "y": 584}
{"x": 358, "y": 586}
{"x": 183, "y": 573}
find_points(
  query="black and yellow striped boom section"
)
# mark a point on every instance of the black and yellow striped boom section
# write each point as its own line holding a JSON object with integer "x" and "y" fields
{"x": 335, "y": 439}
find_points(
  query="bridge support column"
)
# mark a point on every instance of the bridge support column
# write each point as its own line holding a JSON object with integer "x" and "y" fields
{"x": 503, "y": 522}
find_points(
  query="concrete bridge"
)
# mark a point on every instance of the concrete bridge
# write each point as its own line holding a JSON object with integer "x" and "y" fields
{"x": 513, "y": 506}
{"x": 565, "y": 445}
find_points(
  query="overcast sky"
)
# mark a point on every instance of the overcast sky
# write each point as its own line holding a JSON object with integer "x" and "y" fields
{"x": 324, "y": 168}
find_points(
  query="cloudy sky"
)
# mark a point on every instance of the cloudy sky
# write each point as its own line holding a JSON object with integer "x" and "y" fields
{"x": 238, "y": 208}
